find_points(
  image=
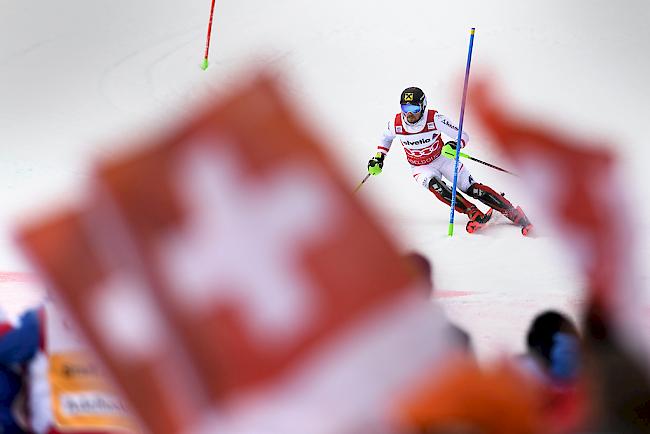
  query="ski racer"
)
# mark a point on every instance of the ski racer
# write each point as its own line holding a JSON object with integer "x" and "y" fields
{"x": 420, "y": 131}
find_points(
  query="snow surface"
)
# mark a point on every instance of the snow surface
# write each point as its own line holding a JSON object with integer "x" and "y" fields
{"x": 79, "y": 80}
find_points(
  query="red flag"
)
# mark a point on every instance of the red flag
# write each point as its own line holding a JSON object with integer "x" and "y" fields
{"x": 579, "y": 186}
{"x": 117, "y": 316}
{"x": 296, "y": 311}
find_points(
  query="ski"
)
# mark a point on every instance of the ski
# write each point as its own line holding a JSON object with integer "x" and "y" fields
{"x": 478, "y": 224}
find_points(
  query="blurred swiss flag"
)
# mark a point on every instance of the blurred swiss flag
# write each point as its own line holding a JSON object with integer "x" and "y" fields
{"x": 106, "y": 296}
{"x": 580, "y": 187}
{"x": 235, "y": 237}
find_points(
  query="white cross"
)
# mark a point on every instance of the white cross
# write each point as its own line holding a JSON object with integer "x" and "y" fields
{"x": 243, "y": 238}
{"x": 124, "y": 295}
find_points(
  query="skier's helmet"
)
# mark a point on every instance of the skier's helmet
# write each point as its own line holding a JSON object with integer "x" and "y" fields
{"x": 413, "y": 100}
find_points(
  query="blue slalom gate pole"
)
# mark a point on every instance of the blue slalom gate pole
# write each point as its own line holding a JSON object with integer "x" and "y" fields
{"x": 460, "y": 134}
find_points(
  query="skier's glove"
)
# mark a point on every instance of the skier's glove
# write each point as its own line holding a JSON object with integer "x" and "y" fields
{"x": 376, "y": 163}
{"x": 449, "y": 150}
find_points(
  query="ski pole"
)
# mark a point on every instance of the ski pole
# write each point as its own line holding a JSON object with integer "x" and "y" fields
{"x": 487, "y": 164}
{"x": 450, "y": 231}
{"x": 204, "y": 65}
{"x": 361, "y": 183}
{"x": 469, "y": 157}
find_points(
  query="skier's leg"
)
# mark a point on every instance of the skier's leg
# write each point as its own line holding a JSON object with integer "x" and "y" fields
{"x": 497, "y": 201}
{"x": 429, "y": 177}
{"x": 485, "y": 194}
{"x": 489, "y": 197}
{"x": 464, "y": 180}
{"x": 442, "y": 191}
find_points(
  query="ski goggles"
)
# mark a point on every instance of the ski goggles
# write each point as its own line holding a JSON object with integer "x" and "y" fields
{"x": 411, "y": 108}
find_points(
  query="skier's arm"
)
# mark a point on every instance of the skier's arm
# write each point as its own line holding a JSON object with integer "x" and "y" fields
{"x": 387, "y": 139}
{"x": 376, "y": 163}
{"x": 450, "y": 129}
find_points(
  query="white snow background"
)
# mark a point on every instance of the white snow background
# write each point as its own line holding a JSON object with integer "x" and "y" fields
{"x": 79, "y": 79}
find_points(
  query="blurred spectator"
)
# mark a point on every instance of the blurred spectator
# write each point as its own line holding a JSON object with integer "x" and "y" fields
{"x": 423, "y": 266}
{"x": 553, "y": 345}
{"x": 66, "y": 391}
{"x": 619, "y": 386}
{"x": 554, "y": 359}
{"x": 10, "y": 388}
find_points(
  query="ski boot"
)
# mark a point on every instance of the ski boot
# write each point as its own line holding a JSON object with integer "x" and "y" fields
{"x": 518, "y": 217}
{"x": 477, "y": 219}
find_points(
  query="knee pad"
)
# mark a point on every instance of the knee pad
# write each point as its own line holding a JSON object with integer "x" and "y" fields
{"x": 438, "y": 186}
{"x": 443, "y": 192}
{"x": 440, "y": 189}
{"x": 474, "y": 190}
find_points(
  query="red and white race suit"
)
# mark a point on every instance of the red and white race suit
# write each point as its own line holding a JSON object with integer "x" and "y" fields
{"x": 422, "y": 142}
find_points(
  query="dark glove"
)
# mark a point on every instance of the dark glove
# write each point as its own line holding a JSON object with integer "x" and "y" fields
{"x": 376, "y": 163}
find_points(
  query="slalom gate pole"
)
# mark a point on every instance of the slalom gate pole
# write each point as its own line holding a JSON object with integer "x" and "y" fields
{"x": 450, "y": 231}
{"x": 204, "y": 65}
{"x": 469, "y": 157}
{"x": 361, "y": 183}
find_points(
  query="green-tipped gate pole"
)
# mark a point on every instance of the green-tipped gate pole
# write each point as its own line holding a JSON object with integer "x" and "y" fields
{"x": 204, "y": 64}
{"x": 460, "y": 133}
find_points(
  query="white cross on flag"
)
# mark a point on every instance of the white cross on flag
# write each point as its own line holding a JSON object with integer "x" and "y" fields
{"x": 295, "y": 311}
